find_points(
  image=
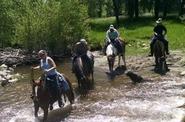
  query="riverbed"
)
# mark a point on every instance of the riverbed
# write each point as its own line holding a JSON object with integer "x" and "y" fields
{"x": 157, "y": 99}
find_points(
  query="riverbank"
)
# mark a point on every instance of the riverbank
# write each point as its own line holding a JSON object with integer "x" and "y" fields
{"x": 17, "y": 57}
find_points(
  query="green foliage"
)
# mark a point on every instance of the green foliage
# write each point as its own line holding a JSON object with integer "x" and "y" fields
{"x": 46, "y": 24}
{"x": 137, "y": 33}
{"x": 7, "y": 22}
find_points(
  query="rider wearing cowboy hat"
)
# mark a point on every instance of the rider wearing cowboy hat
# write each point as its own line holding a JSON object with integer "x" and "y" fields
{"x": 159, "y": 32}
{"x": 112, "y": 36}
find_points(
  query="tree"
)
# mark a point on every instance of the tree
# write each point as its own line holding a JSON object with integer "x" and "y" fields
{"x": 116, "y": 4}
{"x": 136, "y": 8}
{"x": 156, "y": 8}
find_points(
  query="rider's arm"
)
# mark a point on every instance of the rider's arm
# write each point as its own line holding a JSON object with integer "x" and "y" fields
{"x": 155, "y": 30}
{"x": 107, "y": 37}
{"x": 52, "y": 63}
{"x": 37, "y": 67}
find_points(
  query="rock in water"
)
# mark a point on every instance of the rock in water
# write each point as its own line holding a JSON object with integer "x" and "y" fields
{"x": 182, "y": 73}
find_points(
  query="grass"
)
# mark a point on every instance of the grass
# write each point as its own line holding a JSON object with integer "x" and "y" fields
{"x": 137, "y": 33}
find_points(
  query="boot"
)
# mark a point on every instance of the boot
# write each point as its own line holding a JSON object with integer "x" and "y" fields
{"x": 60, "y": 103}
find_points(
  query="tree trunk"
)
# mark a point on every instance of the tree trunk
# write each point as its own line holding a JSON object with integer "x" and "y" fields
{"x": 100, "y": 8}
{"x": 116, "y": 10}
{"x": 182, "y": 7}
{"x": 165, "y": 4}
{"x": 156, "y": 8}
{"x": 130, "y": 8}
{"x": 136, "y": 8}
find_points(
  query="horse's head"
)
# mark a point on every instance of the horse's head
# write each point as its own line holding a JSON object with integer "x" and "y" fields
{"x": 111, "y": 50}
{"x": 78, "y": 67}
{"x": 38, "y": 82}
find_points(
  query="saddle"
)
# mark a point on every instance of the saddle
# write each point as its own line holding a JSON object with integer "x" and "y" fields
{"x": 118, "y": 44}
{"x": 61, "y": 82}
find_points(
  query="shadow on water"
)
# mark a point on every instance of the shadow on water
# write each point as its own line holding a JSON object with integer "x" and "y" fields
{"x": 122, "y": 70}
{"x": 57, "y": 115}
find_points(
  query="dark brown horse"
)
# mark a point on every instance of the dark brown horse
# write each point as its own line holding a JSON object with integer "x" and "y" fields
{"x": 160, "y": 57}
{"x": 112, "y": 52}
{"x": 83, "y": 68}
{"x": 42, "y": 97}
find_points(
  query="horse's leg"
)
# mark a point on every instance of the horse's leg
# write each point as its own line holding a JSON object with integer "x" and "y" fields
{"x": 156, "y": 63}
{"x": 109, "y": 63}
{"x": 113, "y": 60}
{"x": 123, "y": 59}
{"x": 92, "y": 75}
{"x": 45, "y": 113}
{"x": 119, "y": 57}
{"x": 79, "y": 84}
{"x": 36, "y": 106}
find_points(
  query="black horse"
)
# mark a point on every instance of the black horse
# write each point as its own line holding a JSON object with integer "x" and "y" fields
{"x": 83, "y": 68}
{"x": 42, "y": 97}
{"x": 160, "y": 57}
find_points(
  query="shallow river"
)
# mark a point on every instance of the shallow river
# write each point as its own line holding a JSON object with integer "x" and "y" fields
{"x": 117, "y": 100}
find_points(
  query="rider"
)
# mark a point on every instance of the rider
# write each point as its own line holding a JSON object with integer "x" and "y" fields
{"x": 48, "y": 66}
{"x": 81, "y": 48}
{"x": 159, "y": 32}
{"x": 112, "y": 36}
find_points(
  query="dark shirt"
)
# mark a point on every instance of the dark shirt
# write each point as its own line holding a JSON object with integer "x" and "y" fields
{"x": 159, "y": 29}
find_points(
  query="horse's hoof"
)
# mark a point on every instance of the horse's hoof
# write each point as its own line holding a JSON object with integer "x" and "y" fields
{"x": 60, "y": 104}
{"x": 167, "y": 70}
{"x": 50, "y": 107}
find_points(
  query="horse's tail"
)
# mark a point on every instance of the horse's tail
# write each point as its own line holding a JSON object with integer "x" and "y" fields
{"x": 70, "y": 93}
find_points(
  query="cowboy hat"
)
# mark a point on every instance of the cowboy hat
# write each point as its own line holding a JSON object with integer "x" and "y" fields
{"x": 159, "y": 21}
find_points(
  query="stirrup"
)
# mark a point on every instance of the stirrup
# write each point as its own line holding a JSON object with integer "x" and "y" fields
{"x": 51, "y": 107}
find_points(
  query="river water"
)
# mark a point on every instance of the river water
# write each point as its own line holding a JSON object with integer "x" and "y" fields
{"x": 118, "y": 100}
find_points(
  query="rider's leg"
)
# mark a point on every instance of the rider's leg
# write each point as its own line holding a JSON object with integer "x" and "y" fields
{"x": 119, "y": 57}
{"x": 151, "y": 46}
{"x": 117, "y": 43}
{"x": 105, "y": 47}
{"x": 123, "y": 58}
{"x": 58, "y": 91}
{"x": 166, "y": 46}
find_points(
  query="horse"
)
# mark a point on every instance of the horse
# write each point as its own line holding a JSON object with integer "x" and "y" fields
{"x": 160, "y": 57}
{"x": 42, "y": 97}
{"x": 83, "y": 68}
{"x": 112, "y": 52}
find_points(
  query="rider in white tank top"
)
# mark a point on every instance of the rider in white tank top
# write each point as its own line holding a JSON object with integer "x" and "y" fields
{"x": 45, "y": 66}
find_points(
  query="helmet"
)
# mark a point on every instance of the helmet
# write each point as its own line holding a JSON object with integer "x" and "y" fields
{"x": 83, "y": 41}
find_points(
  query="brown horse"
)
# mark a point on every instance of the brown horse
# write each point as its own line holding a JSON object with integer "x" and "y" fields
{"x": 160, "y": 57}
{"x": 42, "y": 97}
{"x": 112, "y": 52}
{"x": 83, "y": 68}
